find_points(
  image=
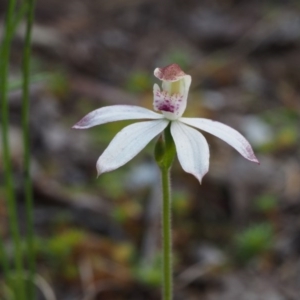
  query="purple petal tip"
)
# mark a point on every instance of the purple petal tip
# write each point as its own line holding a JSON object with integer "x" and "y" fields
{"x": 78, "y": 126}
{"x": 253, "y": 159}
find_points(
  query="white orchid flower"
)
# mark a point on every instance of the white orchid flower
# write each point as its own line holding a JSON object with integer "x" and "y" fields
{"x": 191, "y": 146}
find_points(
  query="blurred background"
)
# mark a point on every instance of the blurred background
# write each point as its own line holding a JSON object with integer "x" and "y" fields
{"x": 236, "y": 236}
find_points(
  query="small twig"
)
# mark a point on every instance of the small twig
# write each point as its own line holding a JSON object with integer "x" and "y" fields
{"x": 44, "y": 287}
{"x": 86, "y": 273}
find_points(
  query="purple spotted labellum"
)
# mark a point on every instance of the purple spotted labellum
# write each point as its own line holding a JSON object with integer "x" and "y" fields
{"x": 191, "y": 146}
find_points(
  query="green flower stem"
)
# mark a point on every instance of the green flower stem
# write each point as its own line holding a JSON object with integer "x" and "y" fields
{"x": 166, "y": 235}
{"x": 164, "y": 154}
{"x": 10, "y": 195}
{"x": 26, "y": 143}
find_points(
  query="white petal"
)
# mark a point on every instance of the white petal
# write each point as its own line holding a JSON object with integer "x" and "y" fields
{"x": 115, "y": 113}
{"x": 225, "y": 133}
{"x": 128, "y": 143}
{"x": 192, "y": 149}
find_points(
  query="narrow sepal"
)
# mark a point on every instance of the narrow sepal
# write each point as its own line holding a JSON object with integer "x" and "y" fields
{"x": 192, "y": 149}
{"x": 115, "y": 113}
{"x": 225, "y": 133}
{"x": 128, "y": 143}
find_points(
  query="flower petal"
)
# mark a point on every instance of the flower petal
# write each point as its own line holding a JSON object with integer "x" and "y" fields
{"x": 128, "y": 143}
{"x": 192, "y": 149}
{"x": 225, "y": 133}
{"x": 115, "y": 113}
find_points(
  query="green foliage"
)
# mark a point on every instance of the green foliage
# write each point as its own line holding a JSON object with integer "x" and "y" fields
{"x": 281, "y": 116}
{"x": 70, "y": 271}
{"x": 16, "y": 83}
{"x": 60, "y": 250}
{"x": 120, "y": 214}
{"x": 253, "y": 242}
{"x": 266, "y": 203}
{"x": 61, "y": 246}
{"x": 284, "y": 121}
{"x": 159, "y": 150}
{"x": 165, "y": 150}
{"x": 112, "y": 184}
{"x": 126, "y": 210}
{"x": 138, "y": 82}
{"x": 7, "y": 292}
{"x": 149, "y": 274}
{"x": 285, "y": 138}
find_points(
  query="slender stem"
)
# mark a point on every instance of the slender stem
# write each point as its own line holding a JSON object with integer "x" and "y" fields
{"x": 166, "y": 234}
{"x": 26, "y": 143}
{"x": 19, "y": 15}
{"x": 3, "y": 254}
{"x": 11, "y": 201}
{"x": 4, "y": 261}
